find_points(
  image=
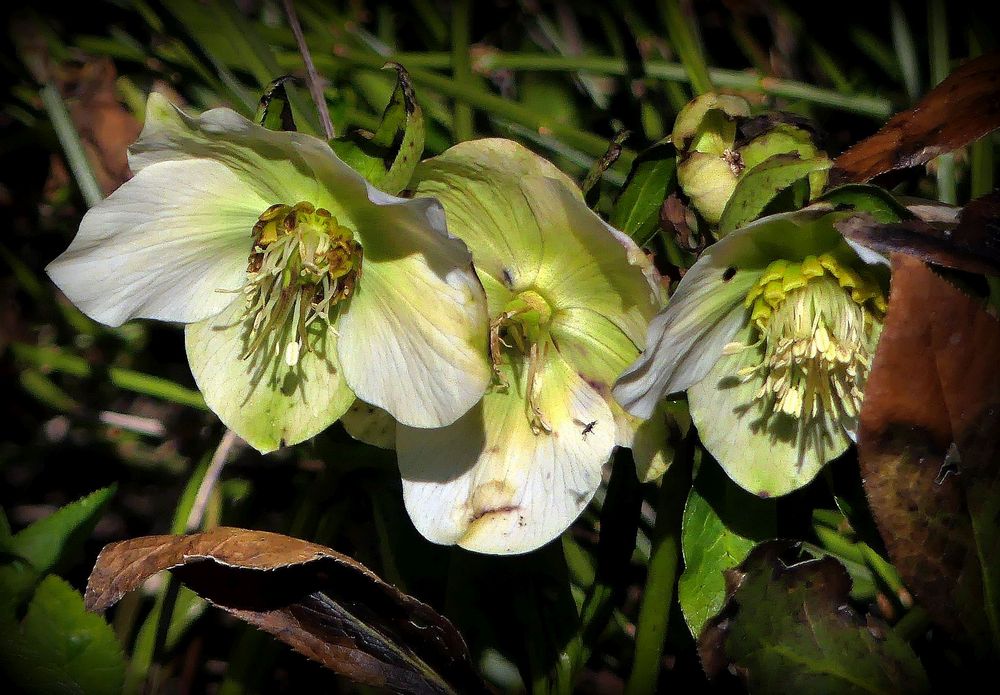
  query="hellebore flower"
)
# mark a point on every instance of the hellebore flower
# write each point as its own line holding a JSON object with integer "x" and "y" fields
{"x": 301, "y": 285}
{"x": 772, "y": 333}
{"x": 569, "y": 301}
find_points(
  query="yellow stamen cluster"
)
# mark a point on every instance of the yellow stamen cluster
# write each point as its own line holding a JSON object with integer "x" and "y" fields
{"x": 525, "y": 322}
{"x": 816, "y": 322}
{"x": 303, "y": 262}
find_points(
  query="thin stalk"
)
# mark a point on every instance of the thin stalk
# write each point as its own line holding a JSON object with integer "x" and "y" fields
{"x": 684, "y": 40}
{"x": 906, "y": 50}
{"x": 196, "y": 516}
{"x": 461, "y": 68}
{"x": 887, "y": 573}
{"x": 312, "y": 76}
{"x": 72, "y": 146}
{"x": 937, "y": 23}
{"x": 862, "y": 104}
{"x": 661, "y": 577}
{"x": 137, "y": 382}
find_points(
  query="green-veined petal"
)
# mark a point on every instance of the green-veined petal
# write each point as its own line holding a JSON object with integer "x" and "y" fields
{"x": 490, "y": 484}
{"x": 261, "y": 398}
{"x": 170, "y": 244}
{"x": 766, "y": 460}
{"x": 414, "y": 335}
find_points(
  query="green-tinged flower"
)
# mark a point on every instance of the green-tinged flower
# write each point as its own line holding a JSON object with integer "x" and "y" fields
{"x": 772, "y": 334}
{"x": 569, "y": 299}
{"x": 718, "y": 143}
{"x": 300, "y": 284}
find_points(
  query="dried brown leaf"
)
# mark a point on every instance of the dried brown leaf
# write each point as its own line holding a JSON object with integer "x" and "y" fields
{"x": 972, "y": 245}
{"x": 319, "y": 602}
{"x": 929, "y": 451}
{"x": 964, "y": 107}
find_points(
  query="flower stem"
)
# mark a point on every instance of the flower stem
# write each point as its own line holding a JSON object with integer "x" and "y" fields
{"x": 72, "y": 147}
{"x": 661, "y": 577}
{"x": 315, "y": 87}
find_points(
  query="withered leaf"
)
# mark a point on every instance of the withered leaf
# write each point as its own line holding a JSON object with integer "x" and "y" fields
{"x": 964, "y": 107}
{"x": 929, "y": 451}
{"x": 789, "y": 628}
{"x": 972, "y": 245}
{"x": 319, "y": 602}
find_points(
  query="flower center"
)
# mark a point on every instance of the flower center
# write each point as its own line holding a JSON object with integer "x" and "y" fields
{"x": 524, "y": 322}
{"x": 817, "y": 322}
{"x": 303, "y": 263}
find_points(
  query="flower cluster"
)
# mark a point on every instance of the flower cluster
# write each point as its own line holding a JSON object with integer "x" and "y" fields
{"x": 479, "y": 326}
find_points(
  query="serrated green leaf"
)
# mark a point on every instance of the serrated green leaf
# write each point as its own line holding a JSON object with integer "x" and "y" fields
{"x": 47, "y": 543}
{"x": 878, "y": 202}
{"x": 388, "y": 156}
{"x": 653, "y": 177}
{"x": 760, "y": 185}
{"x": 60, "y": 647}
{"x": 788, "y": 627}
{"x": 721, "y": 525}
{"x": 274, "y": 111}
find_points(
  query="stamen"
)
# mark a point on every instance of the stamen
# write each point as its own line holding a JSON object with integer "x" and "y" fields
{"x": 302, "y": 263}
{"x": 816, "y": 322}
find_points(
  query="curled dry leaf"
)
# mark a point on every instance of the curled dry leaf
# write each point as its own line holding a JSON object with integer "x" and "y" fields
{"x": 929, "y": 451}
{"x": 972, "y": 245}
{"x": 319, "y": 602}
{"x": 964, "y": 107}
{"x": 789, "y": 628}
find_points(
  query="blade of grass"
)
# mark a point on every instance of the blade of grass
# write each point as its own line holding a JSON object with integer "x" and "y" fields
{"x": 869, "y": 105}
{"x": 461, "y": 68}
{"x": 137, "y": 382}
{"x": 684, "y": 40}
{"x": 72, "y": 146}
{"x": 906, "y": 50}
{"x": 312, "y": 77}
{"x": 940, "y": 57}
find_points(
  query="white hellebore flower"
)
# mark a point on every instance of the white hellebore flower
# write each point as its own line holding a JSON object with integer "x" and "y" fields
{"x": 569, "y": 300}
{"x": 771, "y": 333}
{"x": 302, "y": 286}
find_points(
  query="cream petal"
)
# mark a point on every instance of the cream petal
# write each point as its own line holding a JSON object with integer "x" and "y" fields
{"x": 170, "y": 244}
{"x": 489, "y": 484}
{"x": 685, "y": 339}
{"x": 370, "y": 424}
{"x": 766, "y": 460}
{"x": 262, "y": 399}
{"x": 414, "y": 335}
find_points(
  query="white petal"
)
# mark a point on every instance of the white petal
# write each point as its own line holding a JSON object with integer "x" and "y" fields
{"x": 167, "y": 245}
{"x": 706, "y": 310}
{"x": 489, "y": 484}
{"x": 271, "y": 405}
{"x": 414, "y": 336}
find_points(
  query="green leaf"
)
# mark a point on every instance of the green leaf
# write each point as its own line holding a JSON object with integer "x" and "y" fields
{"x": 388, "y": 156}
{"x": 653, "y": 177}
{"x": 760, "y": 185}
{"x": 274, "y": 112}
{"x": 49, "y": 543}
{"x": 60, "y": 647}
{"x": 788, "y": 627}
{"x": 878, "y": 202}
{"x": 722, "y": 523}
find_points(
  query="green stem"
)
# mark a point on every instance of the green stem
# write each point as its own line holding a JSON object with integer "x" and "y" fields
{"x": 69, "y": 138}
{"x": 887, "y": 573}
{"x": 461, "y": 68}
{"x": 872, "y": 106}
{"x": 937, "y": 21}
{"x": 57, "y": 360}
{"x": 684, "y": 40}
{"x": 661, "y": 578}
